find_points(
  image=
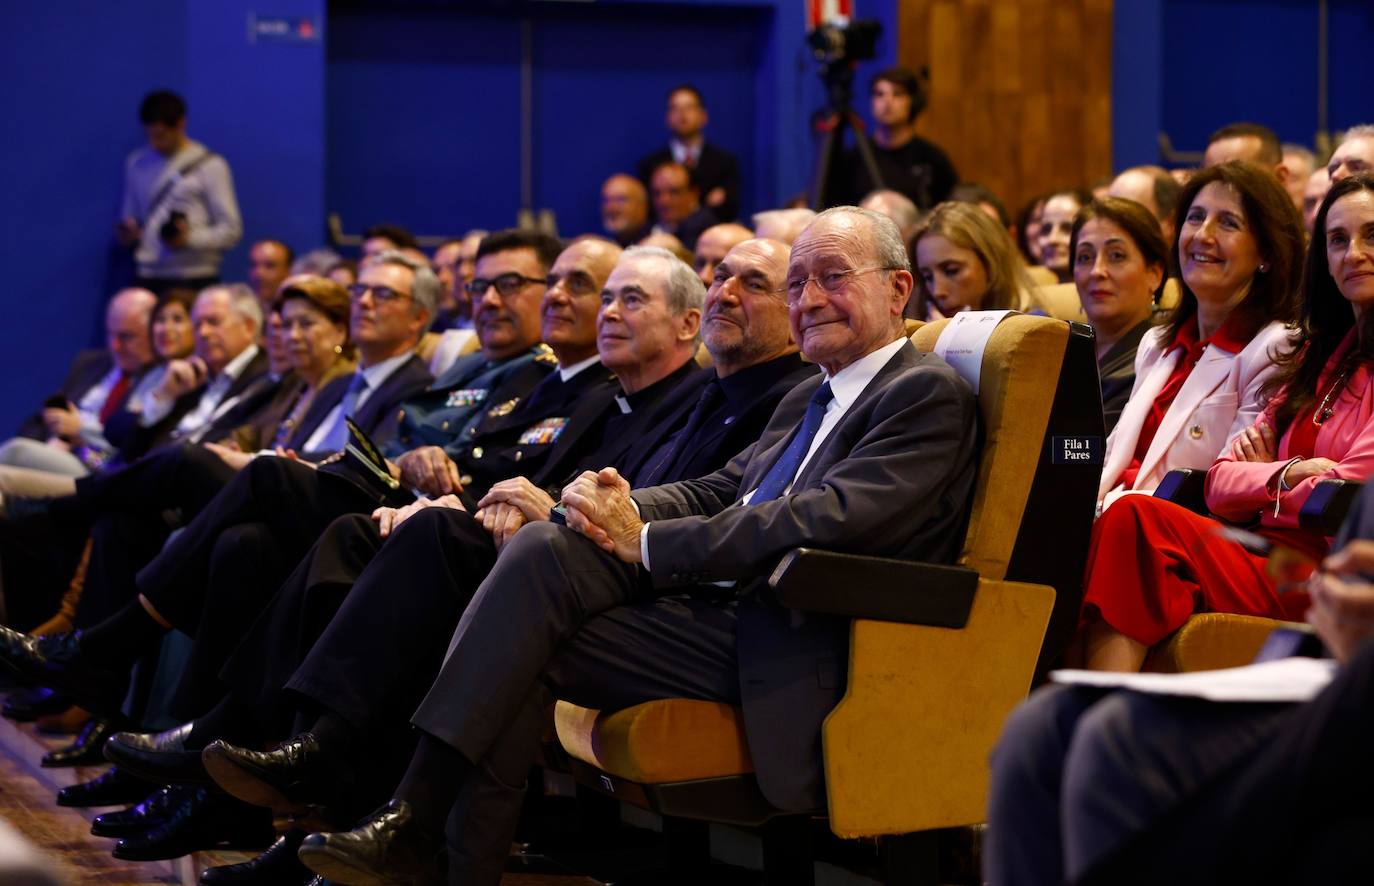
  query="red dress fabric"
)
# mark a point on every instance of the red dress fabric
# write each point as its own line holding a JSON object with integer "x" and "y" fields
{"x": 1152, "y": 564}
{"x": 1228, "y": 337}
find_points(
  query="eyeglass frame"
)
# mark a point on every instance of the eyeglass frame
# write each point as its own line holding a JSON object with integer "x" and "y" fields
{"x": 478, "y": 286}
{"x": 356, "y": 291}
{"x": 816, "y": 278}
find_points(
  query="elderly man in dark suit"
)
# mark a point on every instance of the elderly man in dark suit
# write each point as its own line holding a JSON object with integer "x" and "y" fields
{"x": 661, "y": 594}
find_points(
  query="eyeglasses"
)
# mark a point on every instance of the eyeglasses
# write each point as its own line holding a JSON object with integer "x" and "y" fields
{"x": 506, "y": 284}
{"x": 382, "y": 295}
{"x": 829, "y": 281}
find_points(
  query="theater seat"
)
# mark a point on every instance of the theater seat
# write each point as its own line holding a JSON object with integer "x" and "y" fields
{"x": 1042, "y": 276}
{"x": 1057, "y": 300}
{"x": 1212, "y": 640}
{"x": 939, "y": 654}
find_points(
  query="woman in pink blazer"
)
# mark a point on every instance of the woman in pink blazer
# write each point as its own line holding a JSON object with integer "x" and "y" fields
{"x": 1153, "y": 563}
{"x": 1199, "y": 376}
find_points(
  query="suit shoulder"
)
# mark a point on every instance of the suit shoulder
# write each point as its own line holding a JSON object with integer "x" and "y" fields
{"x": 924, "y": 371}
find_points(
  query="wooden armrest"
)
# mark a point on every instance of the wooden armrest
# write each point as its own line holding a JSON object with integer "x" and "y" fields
{"x": 1184, "y": 487}
{"x": 1326, "y": 508}
{"x": 875, "y": 588}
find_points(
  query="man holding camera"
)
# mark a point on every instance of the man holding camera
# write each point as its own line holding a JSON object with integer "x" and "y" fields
{"x": 179, "y": 211}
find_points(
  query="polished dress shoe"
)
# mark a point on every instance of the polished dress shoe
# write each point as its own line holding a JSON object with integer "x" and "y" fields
{"x": 160, "y": 757}
{"x": 205, "y": 820}
{"x": 115, "y": 788}
{"x": 151, "y": 812}
{"x": 277, "y": 865}
{"x": 30, "y": 704}
{"x": 388, "y": 847}
{"x": 299, "y": 777}
{"x": 56, "y": 662}
{"x": 87, "y": 750}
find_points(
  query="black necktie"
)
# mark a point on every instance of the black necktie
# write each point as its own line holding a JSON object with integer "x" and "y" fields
{"x": 662, "y": 465}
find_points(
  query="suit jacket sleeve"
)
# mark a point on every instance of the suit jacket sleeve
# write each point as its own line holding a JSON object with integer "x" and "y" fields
{"x": 904, "y": 462}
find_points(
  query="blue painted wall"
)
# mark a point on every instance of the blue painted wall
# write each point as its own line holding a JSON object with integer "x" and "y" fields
{"x": 306, "y": 128}
{"x": 1186, "y": 67}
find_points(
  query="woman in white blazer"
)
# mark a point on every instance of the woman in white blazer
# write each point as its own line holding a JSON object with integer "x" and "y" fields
{"x": 1240, "y": 263}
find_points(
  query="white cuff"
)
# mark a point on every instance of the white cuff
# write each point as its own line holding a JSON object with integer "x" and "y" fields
{"x": 644, "y": 545}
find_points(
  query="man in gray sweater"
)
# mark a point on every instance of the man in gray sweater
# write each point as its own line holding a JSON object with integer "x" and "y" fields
{"x": 179, "y": 211}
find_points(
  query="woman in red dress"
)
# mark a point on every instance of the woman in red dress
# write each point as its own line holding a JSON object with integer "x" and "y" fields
{"x": 1153, "y": 564}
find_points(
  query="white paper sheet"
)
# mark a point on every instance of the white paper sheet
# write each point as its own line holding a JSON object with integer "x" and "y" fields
{"x": 1281, "y": 680}
{"x": 963, "y": 340}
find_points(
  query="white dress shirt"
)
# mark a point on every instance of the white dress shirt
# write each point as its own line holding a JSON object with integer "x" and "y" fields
{"x": 375, "y": 374}
{"x": 845, "y": 386}
{"x": 212, "y": 402}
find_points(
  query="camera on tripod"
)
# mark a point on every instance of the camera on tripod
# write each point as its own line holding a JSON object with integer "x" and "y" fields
{"x": 856, "y": 41}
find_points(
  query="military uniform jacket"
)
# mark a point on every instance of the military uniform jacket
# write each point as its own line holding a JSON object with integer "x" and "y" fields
{"x": 461, "y": 396}
{"x": 515, "y": 436}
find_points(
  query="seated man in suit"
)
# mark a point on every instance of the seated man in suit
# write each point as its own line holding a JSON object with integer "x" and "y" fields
{"x": 716, "y": 169}
{"x": 676, "y": 194}
{"x": 1095, "y": 786}
{"x": 370, "y": 665}
{"x": 625, "y": 209}
{"x": 268, "y": 515}
{"x": 198, "y": 393}
{"x": 882, "y": 463}
{"x": 96, "y": 386}
{"x": 713, "y": 245}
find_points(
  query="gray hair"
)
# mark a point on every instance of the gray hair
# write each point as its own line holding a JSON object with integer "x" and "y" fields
{"x": 242, "y": 301}
{"x": 316, "y": 261}
{"x": 782, "y": 224}
{"x": 685, "y": 289}
{"x": 898, "y": 207}
{"x": 886, "y": 237}
{"x": 424, "y": 291}
{"x": 1362, "y": 130}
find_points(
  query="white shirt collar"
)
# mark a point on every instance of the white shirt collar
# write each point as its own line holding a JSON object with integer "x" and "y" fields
{"x": 234, "y": 368}
{"x": 380, "y": 372}
{"x": 847, "y": 384}
{"x": 567, "y": 373}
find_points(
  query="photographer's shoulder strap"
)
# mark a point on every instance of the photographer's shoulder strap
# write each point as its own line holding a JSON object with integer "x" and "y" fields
{"x": 171, "y": 177}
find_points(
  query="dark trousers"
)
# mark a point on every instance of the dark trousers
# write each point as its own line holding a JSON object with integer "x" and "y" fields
{"x": 1123, "y": 787}
{"x": 556, "y": 618}
{"x": 128, "y": 514}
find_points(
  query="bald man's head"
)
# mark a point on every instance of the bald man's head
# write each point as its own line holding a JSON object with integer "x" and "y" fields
{"x": 713, "y": 244}
{"x": 624, "y": 208}
{"x": 745, "y": 320}
{"x": 128, "y": 328}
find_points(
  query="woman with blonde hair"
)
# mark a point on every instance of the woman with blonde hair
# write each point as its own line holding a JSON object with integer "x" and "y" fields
{"x": 965, "y": 261}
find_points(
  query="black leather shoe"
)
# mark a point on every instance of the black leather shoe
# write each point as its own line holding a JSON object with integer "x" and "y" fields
{"x": 277, "y": 865}
{"x": 206, "y": 820}
{"x": 87, "y": 750}
{"x": 30, "y": 704}
{"x": 56, "y": 661}
{"x": 299, "y": 777}
{"x": 388, "y": 847}
{"x": 160, "y": 757}
{"x": 153, "y": 811}
{"x": 115, "y": 788}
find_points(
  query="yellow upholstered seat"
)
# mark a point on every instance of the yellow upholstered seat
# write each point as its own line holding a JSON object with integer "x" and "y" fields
{"x": 906, "y": 748}
{"x": 1212, "y": 640}
{"x": 1057, "y": 300}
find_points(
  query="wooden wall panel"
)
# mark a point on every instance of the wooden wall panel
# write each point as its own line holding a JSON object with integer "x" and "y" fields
{"x": 1020, "y": 90}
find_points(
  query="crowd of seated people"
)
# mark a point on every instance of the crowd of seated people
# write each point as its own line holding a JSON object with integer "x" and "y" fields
{"x": 444, "y": 491}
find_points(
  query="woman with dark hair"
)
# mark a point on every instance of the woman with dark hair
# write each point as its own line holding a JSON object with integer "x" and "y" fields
{"x": 1199, "y": 377}
{"x": 1153, "y": 563}
{"x": 1028, "y": 229}
{"x": 1119, "y": 266}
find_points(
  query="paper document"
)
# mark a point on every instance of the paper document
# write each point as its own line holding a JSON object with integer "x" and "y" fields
{"x": 1281, "y": 680}
{"x": 963, "y": 340}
